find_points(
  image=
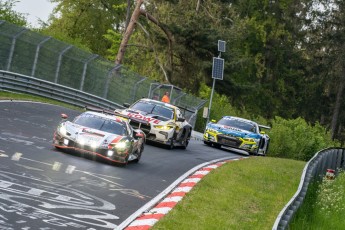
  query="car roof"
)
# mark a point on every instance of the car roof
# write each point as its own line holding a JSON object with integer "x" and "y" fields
{"x": 107, "y": 116}
{"x": 241, "y": 119}
{"x": 158, "y": 102}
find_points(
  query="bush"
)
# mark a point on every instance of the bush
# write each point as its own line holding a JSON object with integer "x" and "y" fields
{"x": 293, "y": 139}
{"x": 296, "y": 139}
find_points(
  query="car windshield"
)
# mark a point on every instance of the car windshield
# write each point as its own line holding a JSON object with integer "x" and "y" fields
{"x": 101, "y": 123}
{"x": 237, "y": 124}
{"x": 154, "y": 109}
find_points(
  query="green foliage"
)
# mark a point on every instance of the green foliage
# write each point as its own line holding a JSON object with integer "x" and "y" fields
{"x": 323, "y": 207}
{"x": 296, "y": 139}
{"x": 290, "y": 138}
{"x": 8, "y": 14}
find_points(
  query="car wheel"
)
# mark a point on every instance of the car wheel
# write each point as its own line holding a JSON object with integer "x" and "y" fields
{"x": 186, "y": 142}
{"x": 218, "y": 146}
{"x": 207, "y": 143}
{"x": 138, "y": 154}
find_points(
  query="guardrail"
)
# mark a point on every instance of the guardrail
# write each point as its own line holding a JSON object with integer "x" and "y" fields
{"x": 24, "y": 84}
{"x": 315, "y": 169}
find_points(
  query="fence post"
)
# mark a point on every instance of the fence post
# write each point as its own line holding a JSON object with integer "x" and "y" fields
{"x": 36, "y": 55}
{"x": 59, "y": 63}
{"x": 84, "y": 70}
{"x": 135, "y": 88}
{"x": 106, "y": 89}
{"x": 12, "y": 48}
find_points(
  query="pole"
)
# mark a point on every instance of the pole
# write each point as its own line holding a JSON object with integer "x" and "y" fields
{"x": 209, "y": 108}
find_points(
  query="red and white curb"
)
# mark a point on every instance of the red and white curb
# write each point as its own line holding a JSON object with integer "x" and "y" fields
{"x": 145, "y": 220}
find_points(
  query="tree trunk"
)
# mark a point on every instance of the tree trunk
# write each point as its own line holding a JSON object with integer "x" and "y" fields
{"x": 338, "y": 102}
{"x": 128, "y": 33}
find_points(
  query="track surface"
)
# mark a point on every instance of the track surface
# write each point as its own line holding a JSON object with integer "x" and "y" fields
{"x": 42, "y": 188}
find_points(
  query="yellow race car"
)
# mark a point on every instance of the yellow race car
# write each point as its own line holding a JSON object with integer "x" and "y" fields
{"x": 237, "y": 133}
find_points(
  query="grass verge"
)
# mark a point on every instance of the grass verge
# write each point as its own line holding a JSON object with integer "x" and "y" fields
{"x": 323, "y": 206}
{"x": 246, "y": 194}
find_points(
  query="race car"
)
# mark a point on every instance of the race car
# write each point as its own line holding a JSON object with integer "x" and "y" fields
{"x": 237, "y": 133}
{"x": 107, "y": 136}
{"x": 161, "y": 122}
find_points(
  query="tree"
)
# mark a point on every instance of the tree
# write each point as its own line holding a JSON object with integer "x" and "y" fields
{"x": 87, "y": 21}
{"x": 8, "y": 14}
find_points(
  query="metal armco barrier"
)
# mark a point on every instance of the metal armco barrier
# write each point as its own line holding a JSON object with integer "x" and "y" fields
{"x": 23, "y": 84}
{"x": 315, "y": 170}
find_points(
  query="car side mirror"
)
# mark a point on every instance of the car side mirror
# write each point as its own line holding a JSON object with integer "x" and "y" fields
{"x": 64, "y": 116}
{"x": 139, "y": 135}
{"x": 126, "y": 105}
{"x": 181, "y": 119}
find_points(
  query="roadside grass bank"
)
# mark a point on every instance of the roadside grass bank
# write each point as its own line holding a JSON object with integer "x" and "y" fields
{"x": 323, "y": 207}
{"x": 247, "y": 194}
{"x": 27, "y": 97}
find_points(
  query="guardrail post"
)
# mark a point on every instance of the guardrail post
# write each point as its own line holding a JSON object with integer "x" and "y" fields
{"x": 59, "y": 63}
{"x": 12, "y": 48}
{"x": 84, "y": 70}
{"x": 36, "y": 55}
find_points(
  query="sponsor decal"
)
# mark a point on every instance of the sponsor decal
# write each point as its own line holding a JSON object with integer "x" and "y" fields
{"x": 144, "y": 118}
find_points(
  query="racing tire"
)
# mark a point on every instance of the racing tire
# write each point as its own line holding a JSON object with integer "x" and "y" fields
{"x": 186, "y": 142}
{"x": 171, "y": 146}
{"x": 207, "y": 143}
{"x": 218, "y": 146}
{"x": 139, "y": 153}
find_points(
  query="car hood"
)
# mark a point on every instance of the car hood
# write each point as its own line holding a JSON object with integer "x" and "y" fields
{"x": 232, "y": 131}
{"x": 88, "y": 135}
{"x": 145, "y": 118}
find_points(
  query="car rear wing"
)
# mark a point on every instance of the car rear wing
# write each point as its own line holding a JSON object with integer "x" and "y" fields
{"x": 264, "y": 127}
{"x": 114, "y": 113}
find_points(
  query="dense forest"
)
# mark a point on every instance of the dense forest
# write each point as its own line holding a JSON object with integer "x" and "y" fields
{"x": 283, "y": 58}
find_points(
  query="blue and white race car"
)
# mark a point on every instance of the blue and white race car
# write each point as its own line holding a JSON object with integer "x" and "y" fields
{"x": 237, "y": 133}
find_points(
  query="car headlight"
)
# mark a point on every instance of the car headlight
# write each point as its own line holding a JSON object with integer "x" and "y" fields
{"x": 62, "y": 130}
{"x": 121, "y": 145}
{"x": 210, "y": 130}
{"x": 164, "y": 127}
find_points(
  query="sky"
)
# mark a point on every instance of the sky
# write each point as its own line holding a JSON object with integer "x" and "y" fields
{"x": 34, "y": 10}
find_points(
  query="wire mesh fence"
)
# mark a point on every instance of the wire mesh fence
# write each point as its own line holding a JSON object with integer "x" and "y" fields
{"x": 32, "y": 54}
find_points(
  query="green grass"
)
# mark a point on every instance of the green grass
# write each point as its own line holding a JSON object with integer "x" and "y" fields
{"x": 247, "y": 194}
{"x": 27, "y": 97}
{"x": 323, "y": 207}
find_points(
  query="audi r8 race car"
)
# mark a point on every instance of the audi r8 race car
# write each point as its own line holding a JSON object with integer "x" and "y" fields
{"x": 161, "y": 122}
{"x": 237, "y": 133}
{"x": 107, "y": 136}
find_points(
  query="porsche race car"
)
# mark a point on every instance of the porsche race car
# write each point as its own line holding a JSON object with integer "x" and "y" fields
{"x": 107, "y": 136}
{"x": 161, "y": 122}
{"x": 237, "y": 133}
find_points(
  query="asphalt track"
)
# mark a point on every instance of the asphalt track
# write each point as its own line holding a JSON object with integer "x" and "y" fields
{"x": 42, "y": 188}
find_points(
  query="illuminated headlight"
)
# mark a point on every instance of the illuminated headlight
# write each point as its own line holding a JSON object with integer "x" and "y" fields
{"x": 164, "y": 127}
{"x": 62, "y": 130}
{"x": 121, "y": 145}
{"x": 110, "y": 153}
{"x": 81, "y": 141}
{"x": 65, "y": 141}
{"x": 93, "y": 145}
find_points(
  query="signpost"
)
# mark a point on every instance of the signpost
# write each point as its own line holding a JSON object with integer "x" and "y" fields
{"x": 217, "y": 72}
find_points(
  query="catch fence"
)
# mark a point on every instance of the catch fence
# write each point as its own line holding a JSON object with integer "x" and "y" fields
{"x": 34, "y": 55}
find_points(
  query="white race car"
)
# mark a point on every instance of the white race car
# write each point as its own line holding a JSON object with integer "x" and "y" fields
{"x": 161, "y": 122}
